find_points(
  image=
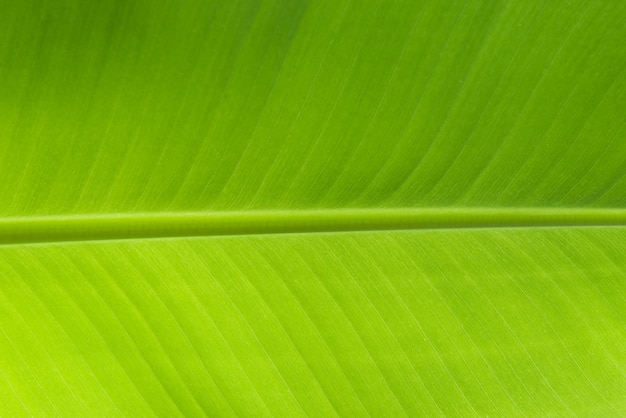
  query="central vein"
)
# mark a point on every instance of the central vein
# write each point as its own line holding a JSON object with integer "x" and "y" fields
{"x": 186, "y": 224}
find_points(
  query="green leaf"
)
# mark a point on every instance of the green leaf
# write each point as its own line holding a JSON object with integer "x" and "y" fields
{"x": 311, "y": 207}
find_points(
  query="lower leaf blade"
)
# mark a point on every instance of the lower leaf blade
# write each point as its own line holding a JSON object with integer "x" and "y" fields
{"x": 525, "y": 321}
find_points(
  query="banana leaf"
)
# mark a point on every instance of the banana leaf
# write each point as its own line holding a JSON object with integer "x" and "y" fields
{"x": 312, "y": 208}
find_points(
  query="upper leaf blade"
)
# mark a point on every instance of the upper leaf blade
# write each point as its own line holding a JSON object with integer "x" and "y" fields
{"x": 142, "y": 107}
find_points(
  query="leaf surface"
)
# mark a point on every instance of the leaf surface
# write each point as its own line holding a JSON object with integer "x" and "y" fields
{"x": 311, "y": 207}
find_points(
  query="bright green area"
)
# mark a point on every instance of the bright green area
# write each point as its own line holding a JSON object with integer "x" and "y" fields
{"x": 326, "y": 126}
{"x": 505, "y": 322}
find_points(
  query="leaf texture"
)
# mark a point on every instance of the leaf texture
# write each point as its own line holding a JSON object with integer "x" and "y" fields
{"x": 312, "y": 208}
{"x": 118, "y": 107}
{"x": 461, "y": 322}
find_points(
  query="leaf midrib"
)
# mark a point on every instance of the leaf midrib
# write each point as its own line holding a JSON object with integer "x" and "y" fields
{"x": 44, "y": 229}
